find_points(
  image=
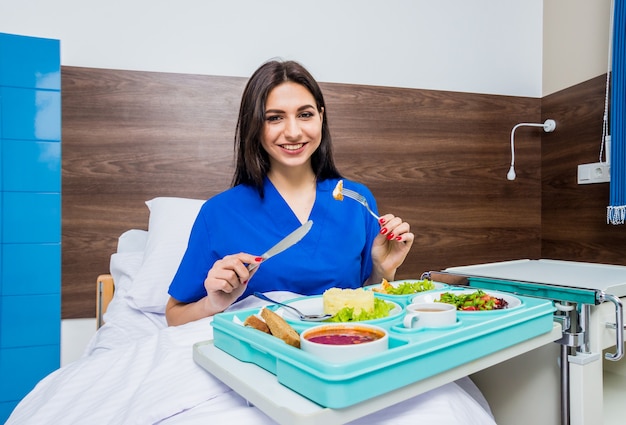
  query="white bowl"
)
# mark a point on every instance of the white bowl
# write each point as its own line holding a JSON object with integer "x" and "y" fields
{"x": 344, "y": 342}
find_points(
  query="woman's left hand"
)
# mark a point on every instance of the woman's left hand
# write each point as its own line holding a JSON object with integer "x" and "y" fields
{"x": 390, "y": 247}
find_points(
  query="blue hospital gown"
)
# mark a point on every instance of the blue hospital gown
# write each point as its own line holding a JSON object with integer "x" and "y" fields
{"x": 335, "y": 253}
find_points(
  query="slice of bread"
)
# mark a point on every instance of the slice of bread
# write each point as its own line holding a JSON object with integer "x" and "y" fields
{"x": 254, "y": 322}
{"x": 280, "y": 328}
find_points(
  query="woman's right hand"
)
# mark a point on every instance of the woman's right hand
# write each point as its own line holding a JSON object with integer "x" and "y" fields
{"x": 227, "y": 280}
{"x": 224, "y": 284}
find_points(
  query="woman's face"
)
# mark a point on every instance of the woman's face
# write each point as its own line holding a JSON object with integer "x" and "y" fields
{"x": 292, "y": 130}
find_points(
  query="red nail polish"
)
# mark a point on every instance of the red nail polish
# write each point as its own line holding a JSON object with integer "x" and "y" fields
{"x": 383, "y": 230}
{"x": 381, "y": 220}
{"x": 244, "y": 282}
{"x": 258, "y": 259}
{"x": 398, "y": 238}
{"x": 390, "y": 236}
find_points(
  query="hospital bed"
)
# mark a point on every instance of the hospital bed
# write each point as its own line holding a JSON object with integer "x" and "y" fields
{"x": 136, "y": 369}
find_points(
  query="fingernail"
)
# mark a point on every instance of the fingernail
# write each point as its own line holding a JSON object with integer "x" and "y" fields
{"x": 258, "y": 259}
{"x": 381, "y": 220}
{"x": 390, "y": 236}
{"x": 383, "y": 230}
{"x": 244, "y": 282}
{"x": 398, "y": 238}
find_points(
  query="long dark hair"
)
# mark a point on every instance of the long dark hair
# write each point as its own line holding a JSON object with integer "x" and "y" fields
{"x": 252, "y": 161}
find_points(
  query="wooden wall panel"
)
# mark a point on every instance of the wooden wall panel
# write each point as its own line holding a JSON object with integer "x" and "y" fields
{"x": 574, "y": 216}
{"x": 127, "y": 138}
{"x": 437, "y": 159}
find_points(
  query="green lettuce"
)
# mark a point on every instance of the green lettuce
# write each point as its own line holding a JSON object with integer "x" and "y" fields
{"x": 406, "y": 288}
{"x": 346, "y": 314}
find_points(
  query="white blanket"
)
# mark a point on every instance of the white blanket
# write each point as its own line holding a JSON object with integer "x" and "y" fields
{"x": 155, "y": 380}
{"x": 136, "y": 370}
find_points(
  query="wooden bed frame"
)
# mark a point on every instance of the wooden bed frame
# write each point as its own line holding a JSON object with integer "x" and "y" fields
{"x": 105, "y": 289}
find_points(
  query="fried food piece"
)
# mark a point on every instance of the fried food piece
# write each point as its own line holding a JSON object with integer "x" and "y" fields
{"x": 338, "y": 191}
{"x": 280, "y": 328}
{"x": 254, "y": 322}
{"x": 384, "y": 287}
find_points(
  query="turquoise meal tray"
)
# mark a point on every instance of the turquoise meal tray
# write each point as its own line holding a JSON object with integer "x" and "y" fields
{"x": 413, "y": 355}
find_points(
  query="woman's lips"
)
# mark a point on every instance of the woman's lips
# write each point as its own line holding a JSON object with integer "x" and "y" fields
{"x": 294, "y": 148}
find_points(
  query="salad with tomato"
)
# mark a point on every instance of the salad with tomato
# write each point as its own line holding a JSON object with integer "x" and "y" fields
{"x": 404, "y": 288}
{"x": 475, "y": 301}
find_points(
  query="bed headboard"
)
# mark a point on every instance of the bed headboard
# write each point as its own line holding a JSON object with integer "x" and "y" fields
{"x": 437, "y": 159}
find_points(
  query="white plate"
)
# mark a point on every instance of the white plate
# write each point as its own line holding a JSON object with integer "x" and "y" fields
{"x": 396, "y": 283}
{"x": 315, "y": 305}
{"x": 432, "y": 296}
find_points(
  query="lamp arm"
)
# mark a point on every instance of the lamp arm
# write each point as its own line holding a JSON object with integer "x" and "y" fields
{"x": 548, "y": 126}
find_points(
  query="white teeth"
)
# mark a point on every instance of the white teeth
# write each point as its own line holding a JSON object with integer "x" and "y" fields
{"x": 293, "y": 147}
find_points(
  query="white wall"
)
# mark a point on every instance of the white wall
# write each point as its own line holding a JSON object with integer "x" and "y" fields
{"x": 481, "y": 46}
{"x": 576, "y": 42}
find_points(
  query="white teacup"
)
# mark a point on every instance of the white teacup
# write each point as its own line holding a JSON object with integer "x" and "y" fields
{"x": 429, "y": 315}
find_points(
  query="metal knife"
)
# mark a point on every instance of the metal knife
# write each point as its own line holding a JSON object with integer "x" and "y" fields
{"x": 288, "y": 241}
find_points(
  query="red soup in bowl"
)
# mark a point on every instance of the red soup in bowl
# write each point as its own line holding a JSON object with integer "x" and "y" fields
{"x": 344, "y": 336}
{"x": 339, "y": 343}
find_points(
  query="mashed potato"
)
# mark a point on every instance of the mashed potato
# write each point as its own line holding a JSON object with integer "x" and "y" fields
{"x": 359, "y": 299}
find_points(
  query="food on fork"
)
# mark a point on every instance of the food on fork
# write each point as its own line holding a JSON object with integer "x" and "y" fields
{"x": 338, "y": 191}
{"x": 359, "y": 299}
{"x": 280, "y": 328}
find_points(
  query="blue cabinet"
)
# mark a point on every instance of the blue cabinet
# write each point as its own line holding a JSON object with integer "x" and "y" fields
{"x": 30, "y": 214}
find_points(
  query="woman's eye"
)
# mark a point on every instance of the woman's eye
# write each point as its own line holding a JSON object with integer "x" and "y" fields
{"x": 272, "y": 118}
{"x": 306, "y": 114}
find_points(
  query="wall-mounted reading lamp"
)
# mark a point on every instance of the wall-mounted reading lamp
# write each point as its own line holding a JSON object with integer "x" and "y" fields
{"x": 548, "y": 127}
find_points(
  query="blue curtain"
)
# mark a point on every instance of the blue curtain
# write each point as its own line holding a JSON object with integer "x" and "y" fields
{"x": 616, "y": 211}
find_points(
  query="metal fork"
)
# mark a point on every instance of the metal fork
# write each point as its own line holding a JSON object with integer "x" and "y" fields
{"x": 304, "y": 317}
{"x": 360, "y": 199}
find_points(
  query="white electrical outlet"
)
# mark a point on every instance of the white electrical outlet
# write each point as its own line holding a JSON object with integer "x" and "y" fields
{"x": 596, "y": 172}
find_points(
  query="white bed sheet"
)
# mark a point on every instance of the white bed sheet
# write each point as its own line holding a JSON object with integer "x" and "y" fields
{"x": 136, "y": 370}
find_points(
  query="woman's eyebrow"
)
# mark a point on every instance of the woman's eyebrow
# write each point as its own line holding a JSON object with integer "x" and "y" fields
{"x": 277, "y": 111}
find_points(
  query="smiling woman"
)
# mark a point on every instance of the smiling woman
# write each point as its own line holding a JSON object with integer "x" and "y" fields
{"x": 284, "y": 176}
{"x": 263, "y": 107}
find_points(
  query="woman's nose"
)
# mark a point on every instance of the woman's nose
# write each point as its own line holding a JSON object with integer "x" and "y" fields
{"x": 292, "y": 129}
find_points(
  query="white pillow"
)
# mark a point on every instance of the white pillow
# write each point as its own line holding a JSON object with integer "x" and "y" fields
{"x": 171, "y": 220}
{"x": 124, "y": 266}
{"x": 132, "y": 240}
